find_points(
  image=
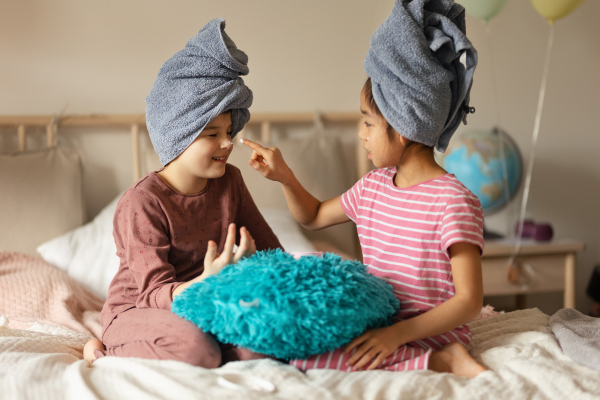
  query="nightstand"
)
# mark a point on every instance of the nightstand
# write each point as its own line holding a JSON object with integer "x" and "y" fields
{"x": 551, "y": 267}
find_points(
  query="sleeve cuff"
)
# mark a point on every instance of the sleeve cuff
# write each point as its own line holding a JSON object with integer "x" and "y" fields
{"x": 163, "y": 297}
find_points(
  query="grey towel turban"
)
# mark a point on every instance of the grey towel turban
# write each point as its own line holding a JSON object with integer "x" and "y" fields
{"x": 193, "y": 87}
{"x": 421, "y": 67}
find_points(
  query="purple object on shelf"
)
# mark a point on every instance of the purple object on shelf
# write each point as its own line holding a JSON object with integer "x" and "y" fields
{"x": 543, "y": 232}
{"x": 528, "y": 228}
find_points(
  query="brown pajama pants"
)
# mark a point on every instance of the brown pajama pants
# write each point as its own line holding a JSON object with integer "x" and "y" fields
{"x": 161, "y": 335}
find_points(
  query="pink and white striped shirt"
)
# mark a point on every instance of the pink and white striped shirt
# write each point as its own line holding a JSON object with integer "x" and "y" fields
{"x": 405, "y": 234}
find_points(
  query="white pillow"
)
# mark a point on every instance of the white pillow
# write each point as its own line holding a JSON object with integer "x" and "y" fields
{"x": 287, "y": 230}
{"x": 88, "y": 254}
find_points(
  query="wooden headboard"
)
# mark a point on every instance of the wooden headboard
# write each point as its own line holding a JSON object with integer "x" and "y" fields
{"x": 137, "y": 122}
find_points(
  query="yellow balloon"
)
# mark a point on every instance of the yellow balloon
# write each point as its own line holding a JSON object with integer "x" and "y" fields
{"x": 555, "y": 9}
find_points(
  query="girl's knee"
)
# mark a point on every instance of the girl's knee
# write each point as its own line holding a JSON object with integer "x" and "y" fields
{"x": 198, "y": 348}
{"x": 206, "y": 360}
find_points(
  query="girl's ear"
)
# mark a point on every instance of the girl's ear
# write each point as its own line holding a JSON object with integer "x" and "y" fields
{"x": 403, "y": 140}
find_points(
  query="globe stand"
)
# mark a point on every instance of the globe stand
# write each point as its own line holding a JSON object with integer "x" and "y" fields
{"x": 491, "y": 235}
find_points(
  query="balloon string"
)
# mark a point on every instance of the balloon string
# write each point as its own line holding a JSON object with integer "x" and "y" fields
{"x": 536, "y": 131}
{"x": 498, "y": 130}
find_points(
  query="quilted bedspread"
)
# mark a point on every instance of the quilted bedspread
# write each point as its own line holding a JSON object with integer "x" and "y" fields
{"x": 46, "y": 318}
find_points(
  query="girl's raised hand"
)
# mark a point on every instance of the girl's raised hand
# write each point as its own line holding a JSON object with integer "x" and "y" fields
{"x": 268, "y": 161}
{"x": 214, "y": 263}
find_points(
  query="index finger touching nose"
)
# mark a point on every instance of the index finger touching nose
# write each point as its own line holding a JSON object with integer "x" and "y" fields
{"x": 254, "y": 146}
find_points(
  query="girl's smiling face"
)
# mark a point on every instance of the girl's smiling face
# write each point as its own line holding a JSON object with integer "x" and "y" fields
{"x": 207, "y": 155}
{"x": 384, "y": 150}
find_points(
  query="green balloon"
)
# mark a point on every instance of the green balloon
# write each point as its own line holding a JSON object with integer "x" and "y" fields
{"x": 483, "y": 9}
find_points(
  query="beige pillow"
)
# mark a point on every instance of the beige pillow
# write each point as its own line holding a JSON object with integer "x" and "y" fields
{"x": 41, "y": 197}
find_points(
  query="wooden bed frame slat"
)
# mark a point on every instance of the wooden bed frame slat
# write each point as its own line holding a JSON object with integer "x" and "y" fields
{"x": 22, "y": 137}
{"x": 135, "y": 121}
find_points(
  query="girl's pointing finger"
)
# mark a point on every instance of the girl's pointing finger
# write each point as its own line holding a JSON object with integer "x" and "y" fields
{"x": 254, "y": 146}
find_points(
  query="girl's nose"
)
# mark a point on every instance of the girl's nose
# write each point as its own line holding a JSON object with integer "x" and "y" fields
{"x": 227, "y": 143}
{"x": 362, "y": 134}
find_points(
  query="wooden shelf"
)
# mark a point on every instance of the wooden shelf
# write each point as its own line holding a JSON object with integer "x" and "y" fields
{"x": 504, "y": 247}
{"x": 551, "y": 267}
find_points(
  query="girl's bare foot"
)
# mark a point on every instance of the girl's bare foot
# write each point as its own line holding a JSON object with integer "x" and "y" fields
{"x": 454, "y": 358}
{"x": 88, "y": 350}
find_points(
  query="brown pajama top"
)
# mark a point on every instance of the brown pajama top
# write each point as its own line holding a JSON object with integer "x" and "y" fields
{"x": 162, "y": 235}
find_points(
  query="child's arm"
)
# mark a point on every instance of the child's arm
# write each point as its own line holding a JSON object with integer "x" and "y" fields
{"x": 306, "y": 209}
{"x": 378, "y": 344}
{"x": 143, "y": 245}
{"x": 214, "y": 263}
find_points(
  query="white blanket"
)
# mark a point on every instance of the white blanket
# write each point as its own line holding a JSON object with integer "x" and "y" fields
{"x": 523, "y": 357}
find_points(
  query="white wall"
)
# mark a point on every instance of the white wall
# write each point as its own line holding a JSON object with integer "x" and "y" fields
{"x": 103, "y": 56}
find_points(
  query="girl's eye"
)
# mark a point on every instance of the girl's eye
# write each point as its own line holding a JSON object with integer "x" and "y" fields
{"x": 215, "y": 135}
{"x": 367, "y": 124}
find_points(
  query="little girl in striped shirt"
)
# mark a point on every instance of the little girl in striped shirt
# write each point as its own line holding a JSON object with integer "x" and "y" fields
{"x": 420, "y": 229}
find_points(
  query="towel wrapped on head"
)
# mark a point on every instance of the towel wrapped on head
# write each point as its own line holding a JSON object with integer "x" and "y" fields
{"x": 421, "y": 67}
{"x": 193, "y": 87}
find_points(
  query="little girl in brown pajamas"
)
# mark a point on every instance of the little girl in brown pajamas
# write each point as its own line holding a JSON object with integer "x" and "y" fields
{"x": 176, "y": 226}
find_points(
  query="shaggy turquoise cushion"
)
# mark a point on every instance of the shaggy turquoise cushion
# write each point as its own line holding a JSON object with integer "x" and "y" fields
{"x": 274, "y": 304}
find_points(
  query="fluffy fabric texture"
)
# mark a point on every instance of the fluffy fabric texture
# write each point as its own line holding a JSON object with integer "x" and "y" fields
{"x": 421, "y": 66}
{"x": 578, "y": 335}
{"x": 193, "y": 87}
{"x": 274, "y": 304}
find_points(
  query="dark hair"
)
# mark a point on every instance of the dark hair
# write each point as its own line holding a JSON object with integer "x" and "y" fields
{"x": 368, "y": 93}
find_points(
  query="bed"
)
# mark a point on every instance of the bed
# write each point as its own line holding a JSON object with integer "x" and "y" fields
{"x": 49, "y": 307}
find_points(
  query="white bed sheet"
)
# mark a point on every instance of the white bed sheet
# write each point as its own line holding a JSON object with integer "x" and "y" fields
{"x": 523, "y": 357}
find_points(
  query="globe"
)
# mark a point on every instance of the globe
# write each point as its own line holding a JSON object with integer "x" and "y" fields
{"x": 488, "y": 163}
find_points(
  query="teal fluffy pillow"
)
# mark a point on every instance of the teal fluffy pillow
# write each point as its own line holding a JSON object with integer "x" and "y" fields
{"x": 274, "y": 304}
